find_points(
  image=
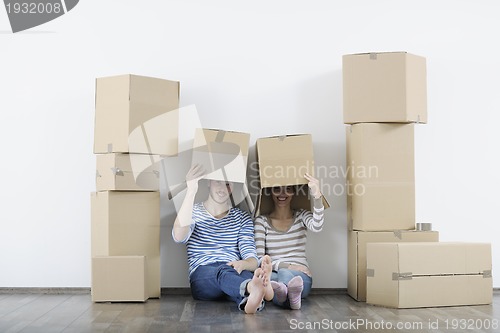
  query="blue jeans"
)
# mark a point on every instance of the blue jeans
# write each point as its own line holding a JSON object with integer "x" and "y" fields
{"x": 219, "y": 281}
{"x": 285, "y": 275}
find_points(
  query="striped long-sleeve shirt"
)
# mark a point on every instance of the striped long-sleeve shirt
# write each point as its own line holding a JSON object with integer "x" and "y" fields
{"x": 218, "y": 240}
{"x": 288, "y": 247}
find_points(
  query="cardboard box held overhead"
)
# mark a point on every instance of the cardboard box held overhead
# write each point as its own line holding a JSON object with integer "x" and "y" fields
{"x": 136, "y": 114}
{"x": 413, "y": 275}
{"x": 356, "y": 253}
{"x": 381, "y": 176}
{"x": 127, "y": 224}
{"x": 128, "y": 172}
{"x": 119, "y": 279}
{"x": 223, "y": 154}
{"x": 384, "y": 87}
{"x": 283, "y": 160}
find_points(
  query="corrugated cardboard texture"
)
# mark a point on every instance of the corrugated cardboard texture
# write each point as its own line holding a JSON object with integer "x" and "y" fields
{"x": 128, "y": 223}
{"x": 356, "y": 253}
{"x": 223, "y": 154}
{"x": 380, "y": 177}
{"x": 127, "y": 172}
{"x": 384, "y": 87}
{"x": 136, "y": 114}
{"x": 119, "y": 279}
{"x": 437, "y": 274}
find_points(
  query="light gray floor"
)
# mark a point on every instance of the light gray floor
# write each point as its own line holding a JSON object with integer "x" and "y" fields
{"x": 180, "y": 313}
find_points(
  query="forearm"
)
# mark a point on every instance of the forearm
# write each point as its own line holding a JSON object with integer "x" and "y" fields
{"x": 184, "y": 217}
{"x": 314, "y": 221}
{"x": 260, "y": 238}
{"x": 251, "y": 264}
{"x": 318, "y": 203}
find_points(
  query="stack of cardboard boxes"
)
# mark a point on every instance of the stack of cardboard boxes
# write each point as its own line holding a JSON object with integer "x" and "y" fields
{"x": 283, "y": 160}
{"x": 136, "y": 122}
{"x": 384, "y": 95}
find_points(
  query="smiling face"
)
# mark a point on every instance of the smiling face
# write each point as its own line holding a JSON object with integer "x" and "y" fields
{"x": 282, "y": 195}
{"x": 220, "y": 191}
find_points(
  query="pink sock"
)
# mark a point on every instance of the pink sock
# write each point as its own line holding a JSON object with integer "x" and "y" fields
{"x": 280, "y": 291}
{"x": 295, "y": 287}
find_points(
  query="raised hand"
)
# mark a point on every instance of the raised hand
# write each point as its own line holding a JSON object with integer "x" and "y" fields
{"x": 314, "y": 187}
{"x": 193, "y": 176}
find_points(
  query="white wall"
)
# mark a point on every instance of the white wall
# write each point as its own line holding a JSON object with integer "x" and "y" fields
{"x": 263, "y": 67}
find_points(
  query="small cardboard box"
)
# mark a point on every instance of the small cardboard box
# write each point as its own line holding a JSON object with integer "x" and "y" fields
{"x": 384, "y": 87}
{"x": 380, "y": 176}
{"x": 356, "y": 253}
{"x": 136, "y": 114}
{"x": 283, "y": 160}
{"x": 119, "y": 279}
{"x": 128, "y": 223}
{"x": 414, "y": 275}
{"x": 223, "y": 154}
{"x": 127, "y": 172}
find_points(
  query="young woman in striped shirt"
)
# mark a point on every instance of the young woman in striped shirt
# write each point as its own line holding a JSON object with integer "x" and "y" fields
{"x": 220, "y": 247}
{"x": 282, "y": 235}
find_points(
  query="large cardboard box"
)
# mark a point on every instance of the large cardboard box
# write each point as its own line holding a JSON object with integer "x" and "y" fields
{"x": 380, "y": 176}
{"x": 356, "y": 253}
{"x": 384, "y": 87}
{"x": 223, "y": 154}
{"x": 119, "y": 279}
{"x": 136, "y": 114}
{"x": 127, "y": 172}
{"x": 128, "y": 223}
{"x": 413, "y": 275}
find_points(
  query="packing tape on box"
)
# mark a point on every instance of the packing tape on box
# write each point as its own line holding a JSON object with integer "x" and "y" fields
{"x": 424, "y": 226}
{"x": 97, "y": 174}
{"x": 282, "y": 137}
{"x": 117, "y": 171}
{"x": 373, "y": 56}
{"x": 398, "y": 234}
{"x": 120, "y": 172}
{"x": 110, "y": 147}
{"x": 487, "y": 274}
{"x": 370, "y": 272}
{"x": 220, "y": 136}
{"x": 402, "y": 276}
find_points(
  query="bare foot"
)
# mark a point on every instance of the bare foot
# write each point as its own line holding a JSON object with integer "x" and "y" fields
{"x": 256, "y": 290}
{"x": 267, "y": 267}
